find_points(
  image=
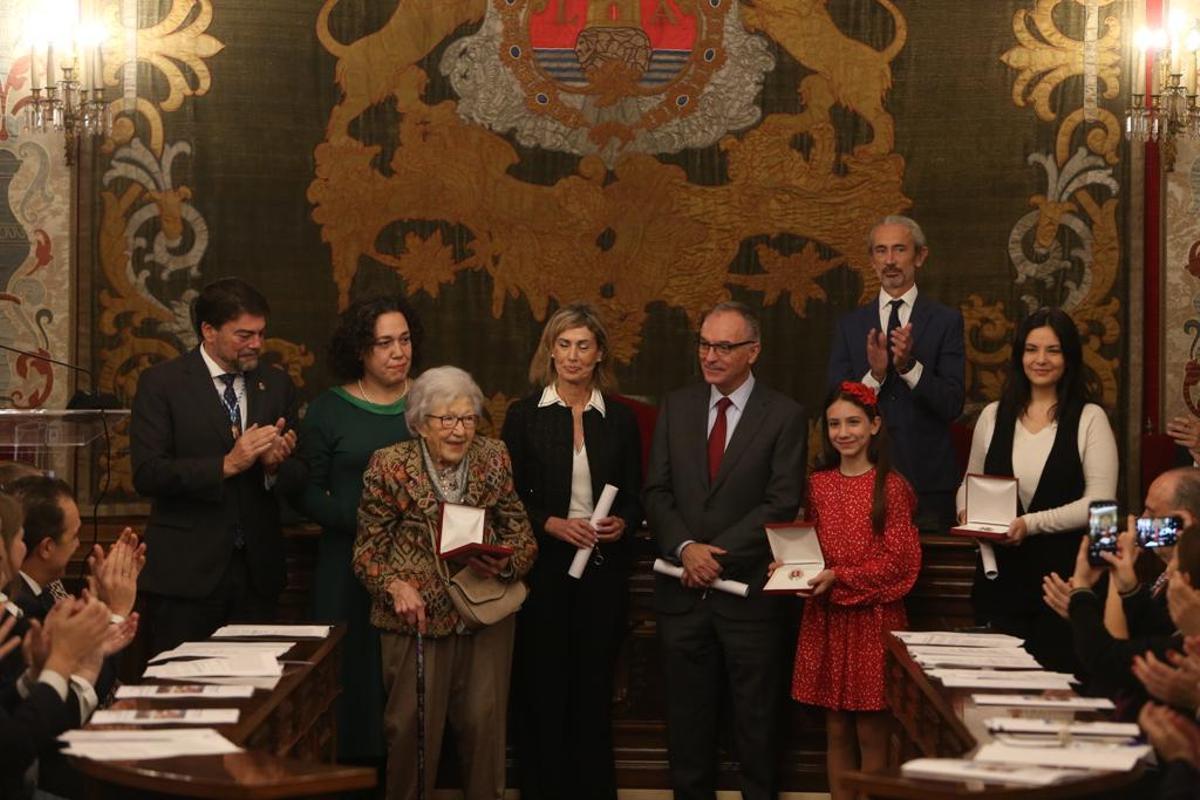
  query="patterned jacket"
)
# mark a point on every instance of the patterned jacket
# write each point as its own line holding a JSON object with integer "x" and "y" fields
{"x": 398, "y": 521}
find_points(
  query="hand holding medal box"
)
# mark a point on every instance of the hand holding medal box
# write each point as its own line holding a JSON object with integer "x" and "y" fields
{"x": 991, "y": 507}
{"x": 796, "y": 545}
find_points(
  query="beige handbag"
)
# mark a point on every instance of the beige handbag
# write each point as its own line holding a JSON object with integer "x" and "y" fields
{"x": 484, "y": 601}
{"x": 479, "y": 601}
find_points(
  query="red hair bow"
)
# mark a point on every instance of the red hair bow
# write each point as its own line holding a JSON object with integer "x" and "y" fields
{"x": 861, "y": 392}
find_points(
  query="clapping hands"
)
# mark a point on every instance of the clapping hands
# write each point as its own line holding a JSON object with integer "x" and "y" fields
{"x": 1176, "y": 681}
{"x": 1170, "y": 733}
{"x": 113, "y": 577}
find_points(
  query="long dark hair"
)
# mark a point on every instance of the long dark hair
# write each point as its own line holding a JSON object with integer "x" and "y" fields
{"x": 879, "y": 449}
{"x": 1071, "y": 390}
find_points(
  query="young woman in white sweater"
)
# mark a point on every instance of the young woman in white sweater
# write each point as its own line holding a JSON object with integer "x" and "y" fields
{"x": 1060, "y": 447}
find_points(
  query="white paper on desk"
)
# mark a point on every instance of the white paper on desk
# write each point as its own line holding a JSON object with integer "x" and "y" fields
{"x": 960, "y": 769}
{"x": 255, "y": 682}
{"x": 603, "y": 506}
{"x": 954, "y": 672}
{"x": 166, "y": 716}
{"x": 232, "y": 666}
{"x": 1041, "y": 701}
{"x": 951, "y": 650}
{"x": 1016, "y": 679}
{"x": 126, "y": 745}
{"x": 958, "y": 639}
{"x": 1037, "y": 725}
{"x": 1121, "y": 758}
{"x": 223, "y": 650}
{"x": 182, "y": 691}
{"x": 984, "y": 659}
{"x": 273, "y": 631}
{"x": 664, "y": 567}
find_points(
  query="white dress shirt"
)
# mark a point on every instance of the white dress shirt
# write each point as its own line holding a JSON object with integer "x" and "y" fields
{"x": 908, "y": 299}
{"x": 582, "y": 502}
{"x": 733, "y": 414}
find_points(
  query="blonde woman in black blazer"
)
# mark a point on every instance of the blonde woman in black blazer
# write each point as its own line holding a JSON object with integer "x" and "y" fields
{"x": 568, "y": 439}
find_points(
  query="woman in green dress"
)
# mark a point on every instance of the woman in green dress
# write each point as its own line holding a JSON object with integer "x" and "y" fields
{"x": 372, "y": 352}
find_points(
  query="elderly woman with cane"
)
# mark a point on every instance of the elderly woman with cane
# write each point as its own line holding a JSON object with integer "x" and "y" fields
{"x": 453, "y": 615}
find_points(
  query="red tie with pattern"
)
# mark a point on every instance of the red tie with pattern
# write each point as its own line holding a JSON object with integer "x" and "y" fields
{"x": 716, "y": 439}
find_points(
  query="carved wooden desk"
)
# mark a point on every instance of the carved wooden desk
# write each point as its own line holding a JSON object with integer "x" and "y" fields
{"x": 937, "y": 722}
{"x": 289, "y": 735}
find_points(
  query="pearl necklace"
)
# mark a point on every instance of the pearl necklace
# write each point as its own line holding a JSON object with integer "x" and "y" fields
{"x": 363, "y": 391}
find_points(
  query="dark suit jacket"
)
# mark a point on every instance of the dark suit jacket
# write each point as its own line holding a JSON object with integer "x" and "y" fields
{"x": 37, "y": 606}
{"x": 918, "y": 420}
{"x": 761, "y": 480}
{"x": 541, "y": 441}
{"x": 179, "y": 435}
{"x": 28, "y": 728}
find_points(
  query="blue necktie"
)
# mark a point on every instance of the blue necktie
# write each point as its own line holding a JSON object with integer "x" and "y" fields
{"x": 231, "y": 403}
{"x": 893, "y": 323}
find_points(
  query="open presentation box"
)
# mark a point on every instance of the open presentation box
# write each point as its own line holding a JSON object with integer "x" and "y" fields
{"x": 797, "y": 546}
{"x": 460, "y": 533}
{"x": 991, "y": 507}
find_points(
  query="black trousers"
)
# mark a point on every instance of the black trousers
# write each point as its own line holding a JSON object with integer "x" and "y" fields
{"x": 569, "y": 634}
{"x": 170, "y": 621}
{"x": 703, "y": 653}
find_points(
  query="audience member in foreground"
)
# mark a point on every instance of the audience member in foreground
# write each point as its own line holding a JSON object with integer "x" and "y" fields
{"x": 863, "y": 512}
{"x": 36, "y": 708}
{"x": 1175, "y": 682}
{"x": 396, "y": 556}
{"x": 1140, "y": 609}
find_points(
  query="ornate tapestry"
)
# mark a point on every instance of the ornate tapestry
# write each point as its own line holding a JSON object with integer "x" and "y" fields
{"x": 1181, "y": 299}
{"x": 35, "y": 238}
{"x": 493, "y": 159}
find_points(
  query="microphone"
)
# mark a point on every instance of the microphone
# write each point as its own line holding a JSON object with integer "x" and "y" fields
{"x": 93, "y": 400}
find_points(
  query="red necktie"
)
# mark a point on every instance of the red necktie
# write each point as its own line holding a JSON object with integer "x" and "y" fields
{"x": 716, "y": 439}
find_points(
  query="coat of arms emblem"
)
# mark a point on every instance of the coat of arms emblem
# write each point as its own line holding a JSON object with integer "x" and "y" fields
{"x": 610, "y": 77}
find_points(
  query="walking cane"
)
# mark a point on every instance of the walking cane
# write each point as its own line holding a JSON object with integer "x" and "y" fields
{"x": 420, "y": 717}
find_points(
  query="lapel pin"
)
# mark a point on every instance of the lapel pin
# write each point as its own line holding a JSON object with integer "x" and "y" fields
{"x": 261, "y": 388}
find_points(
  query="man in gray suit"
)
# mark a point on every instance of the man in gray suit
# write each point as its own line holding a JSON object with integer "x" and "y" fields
{"x": 728, "y": 456}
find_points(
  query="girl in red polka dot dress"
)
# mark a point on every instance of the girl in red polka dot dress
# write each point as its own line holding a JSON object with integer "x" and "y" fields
{"x": 863, "y": 515}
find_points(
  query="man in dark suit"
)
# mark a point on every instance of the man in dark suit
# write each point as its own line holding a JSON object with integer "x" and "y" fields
{"x": 209, "y": 432}
{"x": 728, "y": 456}
{"x": 52, "y": 525}
{"x": 909, "y": 349}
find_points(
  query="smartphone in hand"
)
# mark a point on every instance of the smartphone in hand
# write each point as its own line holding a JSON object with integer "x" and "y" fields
{"x": 1155, "y": 532}
{"x": 1103, "y": 529}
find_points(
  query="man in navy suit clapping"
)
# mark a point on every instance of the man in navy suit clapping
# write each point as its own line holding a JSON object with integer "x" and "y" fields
{"x": 910, "y": 350}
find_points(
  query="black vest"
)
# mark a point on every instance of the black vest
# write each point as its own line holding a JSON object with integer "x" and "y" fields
{"x": 1062, "y": 478}
{"x": 1022, "y": 567}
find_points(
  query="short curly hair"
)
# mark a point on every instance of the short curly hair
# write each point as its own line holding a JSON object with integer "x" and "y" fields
{"x": 355, "y": 334}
